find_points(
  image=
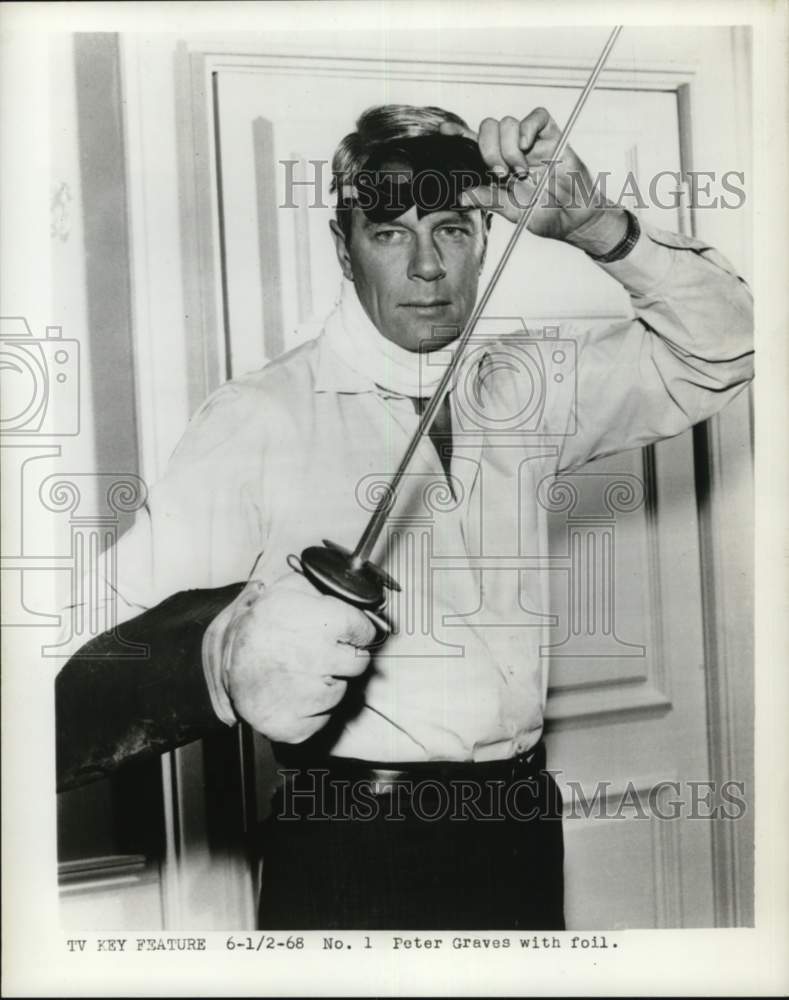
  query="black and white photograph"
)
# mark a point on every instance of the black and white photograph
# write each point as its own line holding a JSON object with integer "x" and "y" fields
{"x": 384, "y": 474}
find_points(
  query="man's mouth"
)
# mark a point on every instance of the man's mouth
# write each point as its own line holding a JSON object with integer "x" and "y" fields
{"x": 433, "y": 305}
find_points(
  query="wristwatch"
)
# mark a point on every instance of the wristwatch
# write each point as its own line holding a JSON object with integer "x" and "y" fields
{"x": 625, "y": 245}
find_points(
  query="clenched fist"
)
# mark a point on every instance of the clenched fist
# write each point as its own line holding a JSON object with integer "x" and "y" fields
{"x": 286, "y": 654}
{"x": 518, "y": 151}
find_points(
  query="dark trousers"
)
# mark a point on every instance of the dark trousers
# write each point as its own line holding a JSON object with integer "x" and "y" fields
{"x": 445, "y": 847}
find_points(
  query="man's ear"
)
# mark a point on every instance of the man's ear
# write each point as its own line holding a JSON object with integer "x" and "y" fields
{"x": 487, "y": 220}
{"x": 341, "y": 248}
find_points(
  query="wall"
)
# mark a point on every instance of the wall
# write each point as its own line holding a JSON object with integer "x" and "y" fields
{"x": 91, "y": 299}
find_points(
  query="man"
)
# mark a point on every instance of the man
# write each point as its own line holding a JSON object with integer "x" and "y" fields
{"x": 415, "y": 793}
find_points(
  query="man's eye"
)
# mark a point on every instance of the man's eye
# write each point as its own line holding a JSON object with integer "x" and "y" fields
{"x": 454, "y": 232}
{"x": 389, "y": 235}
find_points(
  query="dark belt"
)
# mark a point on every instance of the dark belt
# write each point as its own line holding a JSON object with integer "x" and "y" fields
{"x": 389, "y": 774}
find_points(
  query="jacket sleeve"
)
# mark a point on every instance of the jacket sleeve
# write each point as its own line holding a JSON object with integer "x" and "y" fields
{"x": 113, "y": 708}
{"x": 682, "y": 357}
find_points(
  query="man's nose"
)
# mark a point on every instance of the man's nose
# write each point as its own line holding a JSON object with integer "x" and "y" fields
{"x": 426, "y": 262}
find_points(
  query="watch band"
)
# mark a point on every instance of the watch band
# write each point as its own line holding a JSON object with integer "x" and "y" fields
{"x": 625, "y": 245}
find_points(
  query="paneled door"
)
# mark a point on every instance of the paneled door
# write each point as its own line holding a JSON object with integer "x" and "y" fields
{"x": 626, "y": 717}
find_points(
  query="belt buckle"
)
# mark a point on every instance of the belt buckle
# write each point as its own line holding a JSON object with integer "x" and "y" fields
{"x": 384, "y": 781}
{"x": 525, "y": 757}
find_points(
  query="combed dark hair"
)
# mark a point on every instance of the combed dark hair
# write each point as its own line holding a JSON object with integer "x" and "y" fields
{"x": 374, "y": 127}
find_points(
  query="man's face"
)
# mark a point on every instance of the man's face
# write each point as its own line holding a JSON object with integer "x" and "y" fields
{"x": 416, "y": 278}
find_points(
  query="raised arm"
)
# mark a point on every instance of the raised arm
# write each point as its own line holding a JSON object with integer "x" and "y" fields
{"x": 688, "y": 350}
{"x": 685, "y": 355}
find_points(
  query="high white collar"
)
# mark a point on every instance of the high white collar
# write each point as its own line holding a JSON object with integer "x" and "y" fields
{"x": 353, "y": 337}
